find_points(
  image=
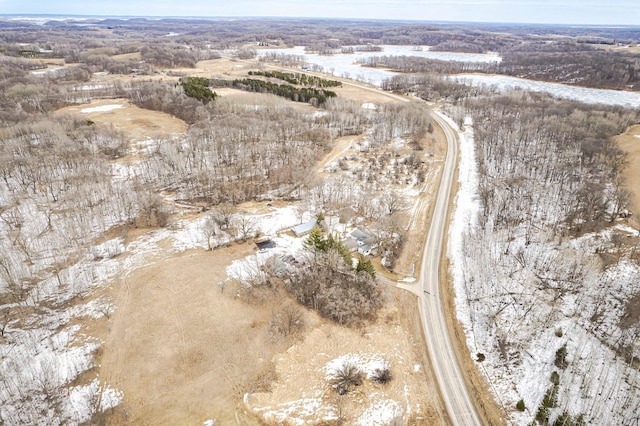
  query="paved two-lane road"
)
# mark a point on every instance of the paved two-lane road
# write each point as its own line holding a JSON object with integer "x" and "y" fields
{"x": 449, "y": 376}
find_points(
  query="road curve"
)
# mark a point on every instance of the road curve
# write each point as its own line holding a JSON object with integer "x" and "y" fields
{"x": 448, "y": 374}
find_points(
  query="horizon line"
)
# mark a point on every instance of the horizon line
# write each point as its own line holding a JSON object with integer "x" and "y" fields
{"x": 99, "y": 16}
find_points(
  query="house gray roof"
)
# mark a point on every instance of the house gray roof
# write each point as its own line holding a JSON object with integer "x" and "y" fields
{"x": 361, "y": 235}
{"x": 364, "y": 240}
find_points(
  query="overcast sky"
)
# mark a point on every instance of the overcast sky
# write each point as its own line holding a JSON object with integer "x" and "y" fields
{"x": 614, "y": 12}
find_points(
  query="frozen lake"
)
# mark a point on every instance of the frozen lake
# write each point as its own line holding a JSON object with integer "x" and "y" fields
{"x": 583, "y": 94}
{"x": 344, "y": 65}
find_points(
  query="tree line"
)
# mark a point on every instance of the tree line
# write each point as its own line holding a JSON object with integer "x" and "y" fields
{"x": 297, "y": 94}
{"x": 298, "y": 78}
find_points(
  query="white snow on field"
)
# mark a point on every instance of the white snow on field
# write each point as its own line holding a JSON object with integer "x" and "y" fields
{"x": 87, "y": 87}
{"x": 54, "y": 360}
{"x": 190, "y": 233}
{"x": 47, "y": 71}
{"x": 576, "y": 93}
{"x": 101, "y": 108}
{"x": 381, "y": 413}
{"x": 366, "y": 363}
{"x": 251, "y": 268}
{"x": 86, "y": 399}
{"x": 278, "y": 220}
{"x": 299, "y": 412}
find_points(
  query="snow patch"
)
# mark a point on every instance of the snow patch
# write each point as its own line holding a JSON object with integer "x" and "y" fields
{"x": 101, "y": 108}
{"x": 576, "y": 93}
{"x": 47, "y": 71}
{"x": 382, "y": 413}
{"x": 299, "y": 412}
{"x": 367, "y": 363}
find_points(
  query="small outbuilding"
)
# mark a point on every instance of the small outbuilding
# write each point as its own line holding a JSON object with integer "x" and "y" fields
{"x": 265, "y": 243}
{"x": 304, "y": 228}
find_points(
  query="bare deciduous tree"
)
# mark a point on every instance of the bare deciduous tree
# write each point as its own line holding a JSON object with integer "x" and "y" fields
{"x": 210, "y": 230}
{"x": 244, "y": 226}
{"x": 287, "y": 322}
{"x": 223, "y": 214}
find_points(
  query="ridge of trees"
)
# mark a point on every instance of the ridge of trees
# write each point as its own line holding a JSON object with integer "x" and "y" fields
{"x": 297, "y": 94}
{"x": 596, "y": 69}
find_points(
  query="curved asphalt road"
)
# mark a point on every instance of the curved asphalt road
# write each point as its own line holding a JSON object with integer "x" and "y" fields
{"x": 453, "y": 389}
{"x": 443, "y": 358}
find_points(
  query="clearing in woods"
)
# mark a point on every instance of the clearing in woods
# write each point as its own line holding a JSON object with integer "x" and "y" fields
{"x": 137, "y": 123}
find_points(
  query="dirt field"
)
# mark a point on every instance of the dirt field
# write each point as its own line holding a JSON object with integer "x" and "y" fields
{"x": 408, "y": 264}
{"x": 225, "y": 67}
{"x": 180, "y": 349}
{"x": 359, "y": 95}
{"x": 630, "y": 143}
{"x": 137, "y": 123}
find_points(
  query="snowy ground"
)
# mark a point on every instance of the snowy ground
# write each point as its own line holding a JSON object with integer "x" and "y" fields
{"x": 519, "y": 327}
{"x": 45, "y": 353}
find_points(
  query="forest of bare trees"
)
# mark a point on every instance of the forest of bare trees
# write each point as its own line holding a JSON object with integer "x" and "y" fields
{"x": 550, "y": 193}
{"x": 584, "y": 177}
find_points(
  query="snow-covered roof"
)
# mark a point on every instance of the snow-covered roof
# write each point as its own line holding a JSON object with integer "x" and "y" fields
{"x": 304, "y": 228}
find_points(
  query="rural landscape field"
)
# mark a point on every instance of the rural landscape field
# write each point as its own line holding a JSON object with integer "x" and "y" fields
{"x": 288, "y": 221}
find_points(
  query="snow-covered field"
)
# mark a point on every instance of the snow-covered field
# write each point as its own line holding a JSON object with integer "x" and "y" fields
{"x": 44, "y": 353}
